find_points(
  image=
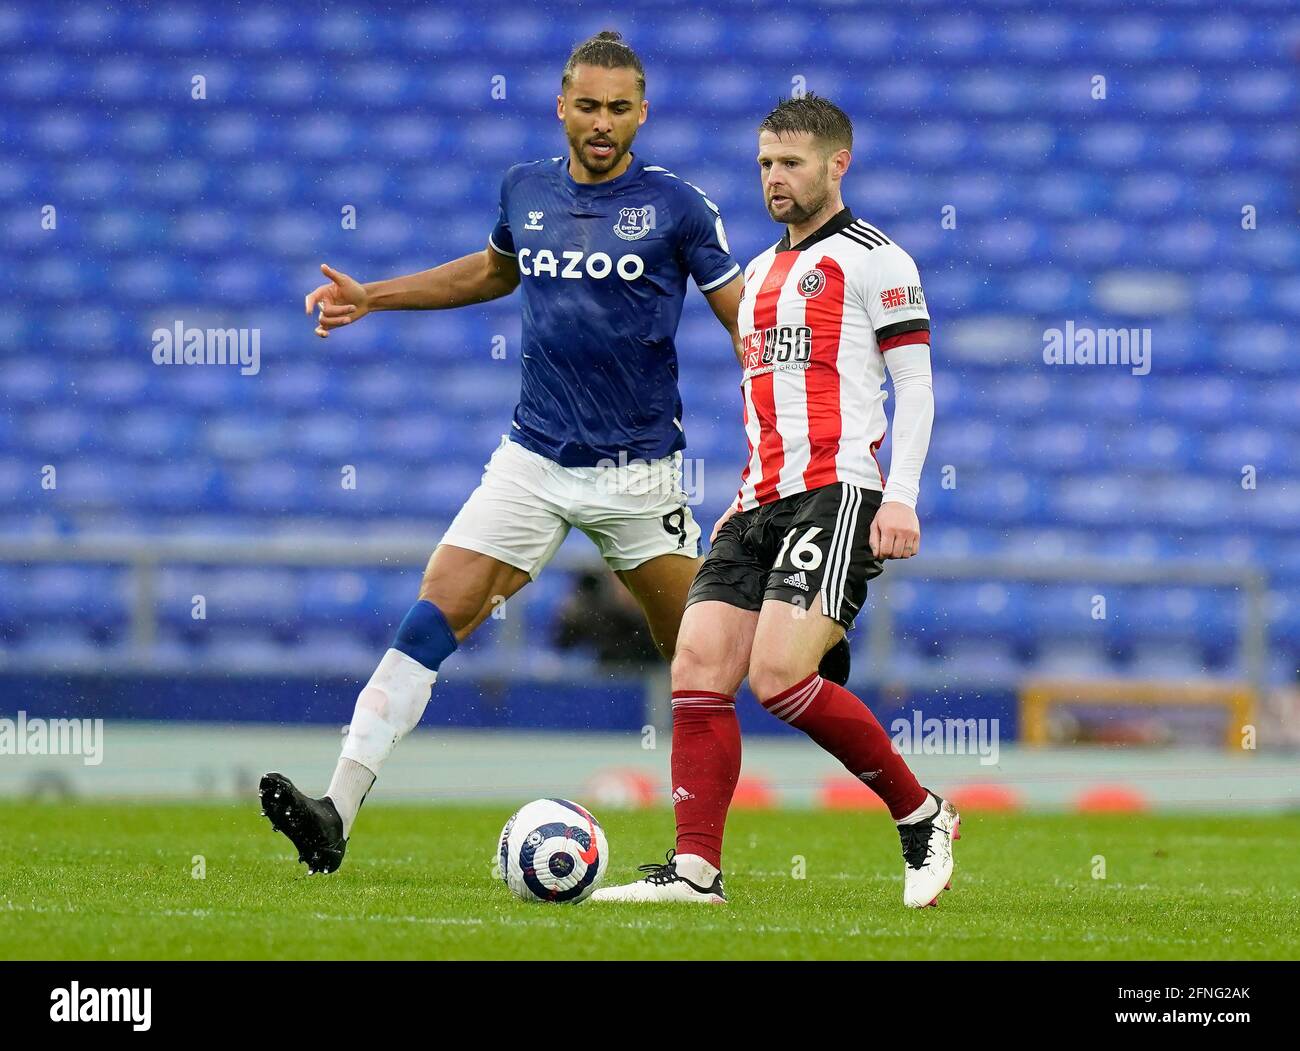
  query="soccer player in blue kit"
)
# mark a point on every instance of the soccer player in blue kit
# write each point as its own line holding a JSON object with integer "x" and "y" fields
{"x": 601, "y": 243}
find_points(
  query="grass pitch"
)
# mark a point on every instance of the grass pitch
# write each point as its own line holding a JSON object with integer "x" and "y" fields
{"x": 120, "y": 881}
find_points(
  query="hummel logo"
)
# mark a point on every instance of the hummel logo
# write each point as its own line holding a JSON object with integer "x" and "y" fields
{"x": 534, "y": 221}
{"x": 797, "y": 580}
{"x": 680, "y": 795}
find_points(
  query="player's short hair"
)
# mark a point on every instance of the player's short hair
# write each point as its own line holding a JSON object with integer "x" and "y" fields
{"x": 607, "y": 50}
{"x": 826, "y": 122}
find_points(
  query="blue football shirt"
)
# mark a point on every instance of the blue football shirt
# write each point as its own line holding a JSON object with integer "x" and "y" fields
{"x": 602, "y": 275}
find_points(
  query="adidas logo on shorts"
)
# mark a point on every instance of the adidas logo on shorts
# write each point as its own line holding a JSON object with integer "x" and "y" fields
{"x": 797, "y": 580}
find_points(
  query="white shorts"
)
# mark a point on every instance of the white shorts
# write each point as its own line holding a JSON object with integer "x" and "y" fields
{"x": 526, "y": 503}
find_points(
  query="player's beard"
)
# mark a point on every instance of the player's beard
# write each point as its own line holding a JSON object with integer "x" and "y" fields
{"x": 597, "y": 165}
{"x": 800, "y": 212}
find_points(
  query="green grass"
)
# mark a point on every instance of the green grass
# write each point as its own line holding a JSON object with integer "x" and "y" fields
{"x": 113, "y": 881}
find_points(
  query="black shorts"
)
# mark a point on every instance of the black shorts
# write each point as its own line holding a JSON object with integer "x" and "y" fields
{"x": 813, "y": 547}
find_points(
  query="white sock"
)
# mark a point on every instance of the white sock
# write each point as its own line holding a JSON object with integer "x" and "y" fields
{"x": 926, "y": 810}
{"x": 387, "y": 709}
{"x": 348, "y": 789}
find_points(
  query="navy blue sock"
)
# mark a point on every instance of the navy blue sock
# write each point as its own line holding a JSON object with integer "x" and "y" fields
{"x": 425, "y": 635}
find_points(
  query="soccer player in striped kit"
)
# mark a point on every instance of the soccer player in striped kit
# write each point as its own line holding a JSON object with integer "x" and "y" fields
{"x": 824, "y": 312}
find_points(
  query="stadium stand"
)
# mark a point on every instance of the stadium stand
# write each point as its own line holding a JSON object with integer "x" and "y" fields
{"x": 1125, "y": 212}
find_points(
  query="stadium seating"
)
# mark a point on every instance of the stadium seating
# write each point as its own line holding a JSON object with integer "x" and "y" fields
{"x": 1117, "y": 212}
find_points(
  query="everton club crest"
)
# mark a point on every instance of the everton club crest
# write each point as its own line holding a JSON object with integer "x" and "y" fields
{"x": 634, "y": 223}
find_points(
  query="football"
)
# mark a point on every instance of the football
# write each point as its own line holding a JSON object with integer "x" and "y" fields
{"x": 552, "y": 850}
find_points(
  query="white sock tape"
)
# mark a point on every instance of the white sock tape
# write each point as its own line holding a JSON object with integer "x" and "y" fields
{"x": 388, "y": 708}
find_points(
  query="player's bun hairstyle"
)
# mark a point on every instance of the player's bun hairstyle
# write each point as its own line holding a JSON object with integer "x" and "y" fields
{"x": 607, "y": 50}
{"x": 827, "y": 123}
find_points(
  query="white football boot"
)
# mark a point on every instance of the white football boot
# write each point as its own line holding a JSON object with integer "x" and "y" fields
{"x": 683, "y": 877}
{"x": 927, "y": 855}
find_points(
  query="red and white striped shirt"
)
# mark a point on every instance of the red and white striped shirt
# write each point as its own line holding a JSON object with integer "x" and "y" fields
{"x": 815, "y": 322}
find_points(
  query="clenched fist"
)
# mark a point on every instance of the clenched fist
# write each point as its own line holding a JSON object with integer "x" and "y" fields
{"x": 895, "y": 531}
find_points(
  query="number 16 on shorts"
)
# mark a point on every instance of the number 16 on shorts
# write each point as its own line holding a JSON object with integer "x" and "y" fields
{"x": 805, "y": 554}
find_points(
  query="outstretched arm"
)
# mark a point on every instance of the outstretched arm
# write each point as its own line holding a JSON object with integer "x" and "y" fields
{"x": 474, "y": 278}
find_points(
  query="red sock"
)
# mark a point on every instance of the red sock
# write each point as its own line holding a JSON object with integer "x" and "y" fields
{"x": 844, "y": 726}
{"x": 705, "y": 768}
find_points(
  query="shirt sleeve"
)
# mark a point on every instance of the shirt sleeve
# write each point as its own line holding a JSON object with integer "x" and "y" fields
{"x": 894, "y": 299}
{"x": 501, "y": 239}
{"x": 704, "y": 245}
{"x": 909, "y": 368}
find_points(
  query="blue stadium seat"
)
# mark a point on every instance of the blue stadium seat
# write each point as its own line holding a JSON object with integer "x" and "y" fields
{"x": 1126, "y": 211}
